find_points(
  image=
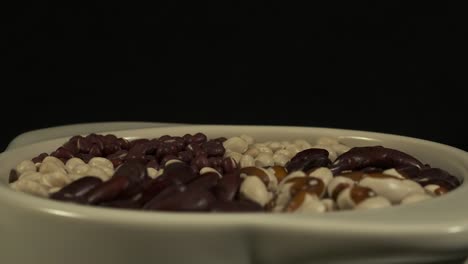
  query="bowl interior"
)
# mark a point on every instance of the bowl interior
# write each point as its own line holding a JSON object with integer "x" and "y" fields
{"x": 451, "y": 159}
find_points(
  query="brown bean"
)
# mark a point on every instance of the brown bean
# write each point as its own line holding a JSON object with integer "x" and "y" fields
{"x": 77, "y": 189}
{"x": 308, "y": 159}
{"x": 375, "y": 156}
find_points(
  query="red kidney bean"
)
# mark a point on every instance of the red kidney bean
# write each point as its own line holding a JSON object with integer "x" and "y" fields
{"x": 134, "y": 170}
{"x": 195, "y": 147}
{"x": 77, "y": 189}
{"x": 75, "y": 138}
{"x": 107, "y": 191}
{"x": 206, "y": 181}
{"x": 375, "y": 156}
{"x": 109, "y": 138}
{"x": 177, "y": 174}
{"x": 188, "y": 200}
{"x": 308, "y": 159}
{"x": 13, "y": 176}
{"x": 40, "y": 158}
{"x": 164, "y": 150}
{"x": 123, "y": 204}
{"x": 62, "y": 153}
{"x": 228, "y": 186}
{"x": 236, "y": 206}
{"x": 117, "y": 162}
{"x": 229, "y": 165}
{"x": 95, "y": 150}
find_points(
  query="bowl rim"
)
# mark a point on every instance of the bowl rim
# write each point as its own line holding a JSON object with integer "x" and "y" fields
{"x": 389, "y": 221}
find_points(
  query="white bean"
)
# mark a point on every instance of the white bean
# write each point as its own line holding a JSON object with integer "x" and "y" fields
{"x": 30, "y": 187}
{"x": 416, "y": 197}
{"x": 280, "y": 159}
{"x": 324, "y": 174}
{"x": 236, "y": 144}
{"x": 393, "y": 172}
{"x": 327, "y": 141}
{"x": 247, "y": 161}
{"x": 24, "y": 166}
{"x": 47, "y": 167}
{"x": 234, "y": 155}
{"x": 394, "y": 190}
{"x": 250, "y": 140}
{"x": 72, "y": 163}
{"x": 374, "y": 203}
{"x": 55, "y": 179}
{"x": 101, "y": 162}
{"x": 255, "y": 190}
{"x": 264, "y": 160}
{"x": 311, "y": 204}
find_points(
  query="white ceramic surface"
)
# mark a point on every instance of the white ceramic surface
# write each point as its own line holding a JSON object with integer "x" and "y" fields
{"x": 36, "y": 230}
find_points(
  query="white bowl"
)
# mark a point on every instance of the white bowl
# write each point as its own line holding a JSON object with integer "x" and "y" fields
{"x": 37, "y": 230}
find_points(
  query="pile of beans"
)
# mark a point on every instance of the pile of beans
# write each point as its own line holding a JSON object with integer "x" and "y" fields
{"x": 194, "y": 173}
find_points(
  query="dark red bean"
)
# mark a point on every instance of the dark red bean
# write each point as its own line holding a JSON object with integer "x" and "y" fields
{"x": 228, "y": 186}
{"x": 85, "y": 157}
{"x": 83, "y": 145}
{"x": 236, "y": 206}
{"x": 40, "y": 158}
{"x": 157, "y": 187}
{"x": 194, "y": 147}
{"x": 220, "y": 139}
{"x": 200, "y": 162}
{"x": 229, "y": 165}
{"x": 164, "y": 150}
{"x": 134, "y": 170}
{"x": 215, "y": 162}
{"x": 167, "y": 158}
{"x": 121, "y": 154}
{"x": 164, "y": 138}
{"x": 200, "y": 153}
{"x": 213, "y": 148}
{"x": 219, "y": 169}
{"x": 185, "y": 156}
{"x": 154, "y": 195}
{"x": 137, "y": 142}
{"x": 375, "y": 156}
{"x": 179, "y": 144}
{"x": 110, "y": 148}
{"x": 149, "y": 158}
{"x": 96, "y": 140}
{"x": 123, "y": 143}
{"x": 71, "y": 146}
{"x": 199, "y": 138}
{"x": 77, "y": 189}
{"x": 308, "y": 159}
{"x": 13, "y": 176}
{"x": 62, "y": 153}
{"x": 107, "y": 191}
{"x": 95, "y": 150}
{"x": 116, "y": 162}
{"x": 408, "y": 171}
{"x": 179, "y": 172}
{"x": 153, "y": 164}
{"x": 75, "y": 138}
{"x": 138, "y": 151}
{"x": 187, "y": 139}
{"x": 109, "y": 139}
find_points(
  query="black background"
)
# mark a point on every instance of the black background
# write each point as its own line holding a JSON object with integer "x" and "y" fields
{"x": 385, "y": 66}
